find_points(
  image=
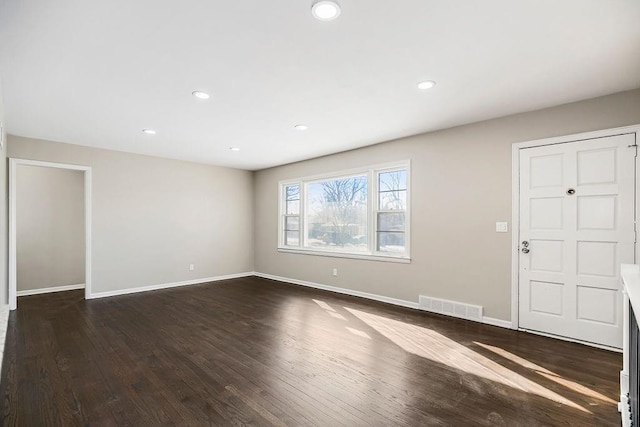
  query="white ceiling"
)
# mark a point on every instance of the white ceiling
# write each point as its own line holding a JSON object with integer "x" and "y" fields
{"x": 97, "y": 72}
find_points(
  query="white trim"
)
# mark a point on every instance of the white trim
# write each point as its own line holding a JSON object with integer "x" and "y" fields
{"x": 28, "y": 162}
{"x": 13, "y": 169}
{"x": 623, "y": 408}
{"x": 13, "y": 299}
{"x": 371, "y": 172}
{"x": 515, "y": 235}
{"x": 367, "y": 256}
{"x": 563, "y": 338}
{"x": 515, "y": 197}
{"x": 50, "y": 290}
{"x": 375, "y": 297}
{"x": 346, "y": 172}
{"x": 497, "y": 322}
{"x": 168, "y": 285}
{"x": 603, "y": 133}
{"x": 88, "y": 215}
{"x": 336, "y": 289}
{"x": 375, "y": 195}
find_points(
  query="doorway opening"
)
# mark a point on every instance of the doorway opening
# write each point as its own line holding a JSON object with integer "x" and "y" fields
{"x": 49, "y": 228}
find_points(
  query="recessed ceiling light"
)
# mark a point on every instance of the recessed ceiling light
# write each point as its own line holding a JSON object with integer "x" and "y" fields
{"x": 234, "y": 148}
{"x": 149, "y": 131}
{"x": 325, "y": 10}
{"x": 201, "y": 95}
{"x": 301, "y": 127}
{"x": 426, "y": 85}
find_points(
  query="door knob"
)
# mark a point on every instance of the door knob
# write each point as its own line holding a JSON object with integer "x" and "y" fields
{"x": 525, "y": 247}
{"x": 525, "y": 250}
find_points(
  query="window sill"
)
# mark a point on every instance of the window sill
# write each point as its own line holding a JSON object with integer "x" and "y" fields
{"x": 369, "y": 257}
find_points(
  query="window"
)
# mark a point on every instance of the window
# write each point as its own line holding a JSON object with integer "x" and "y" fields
{"x": 359, "y": 214}
{"x": 292, "y": 216}
{"x": 391, "y": 211}
{"x": 336, "y": 214}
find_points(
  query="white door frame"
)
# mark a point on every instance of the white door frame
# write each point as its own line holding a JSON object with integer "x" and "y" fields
{"x": 515, "y": 199}
{"x": 13, "y": 178}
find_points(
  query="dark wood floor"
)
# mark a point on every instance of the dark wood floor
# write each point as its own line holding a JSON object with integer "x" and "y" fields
{"x": 256, "y": 352}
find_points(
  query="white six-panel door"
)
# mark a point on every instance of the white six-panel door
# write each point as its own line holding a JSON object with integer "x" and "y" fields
{"x": 576, "y": 228}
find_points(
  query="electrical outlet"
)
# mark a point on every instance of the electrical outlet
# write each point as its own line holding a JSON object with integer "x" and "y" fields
{"x": 192, "y": 267}
{"x": 335, "y": 271}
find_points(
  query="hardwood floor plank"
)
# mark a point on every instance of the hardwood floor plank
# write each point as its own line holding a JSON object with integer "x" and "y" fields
{"x": 252, "y": 351}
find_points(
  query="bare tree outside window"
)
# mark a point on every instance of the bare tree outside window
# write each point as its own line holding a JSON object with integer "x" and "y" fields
{"x": 292, "y": 215}
{"x": 392, "y": 189}
{"x": 292, "y": 196}
{"x": 364, "y": 213}
{"x": 392, "y": 203}
{"x": 338, "y": 213}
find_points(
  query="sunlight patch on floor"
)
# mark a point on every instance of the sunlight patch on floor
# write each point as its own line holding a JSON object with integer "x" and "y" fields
{"x": 434, "y": 346}
{"x": 358, "y": 332}
{"x": 324, "y": 305}
{"x": 336, "y": 315}
{"x": 546, "y": 373}
{"x": 333, "y": 313}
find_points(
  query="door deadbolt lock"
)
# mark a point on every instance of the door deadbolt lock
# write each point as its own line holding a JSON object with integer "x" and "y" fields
{"x": 525, "y": 244}
{"x": 571, "y": 191}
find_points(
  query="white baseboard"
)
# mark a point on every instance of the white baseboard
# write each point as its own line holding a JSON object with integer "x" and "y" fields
{"x": 351, "y": 292}
{"x": 559, "y": 337}
{"x": 49, "y": 290}
{"x": 497, "y": 322}
{"x": 488, "y": 320}
{"x": 367, "y": 295}
{"x": 167, "y": 285}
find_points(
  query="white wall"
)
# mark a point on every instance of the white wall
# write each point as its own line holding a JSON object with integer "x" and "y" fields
{"x": 153, "y": 217}
{"x": 50, "y": 229}
{"x": 461, "y": 185}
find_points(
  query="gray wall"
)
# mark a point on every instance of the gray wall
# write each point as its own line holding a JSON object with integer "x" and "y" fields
{"x": 461, "y": 185}
{"x": 50, "y": 231}
{"x": 153, "y": 217}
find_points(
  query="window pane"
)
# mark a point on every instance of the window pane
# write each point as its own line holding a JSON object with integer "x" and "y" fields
{"x": 390, "y": 221}
{"x": 391, "y": 242}
{"x": 392, "y": 181}
{"x": 292, "y": 223}
{"x": 292, "y": 199}
{"x": 292, "y": 192}
{"x": 337, "y": 214}
{"x": 292, "y": 238}
{"x": 293, "y": 207}
{"x": 393, "y": 200}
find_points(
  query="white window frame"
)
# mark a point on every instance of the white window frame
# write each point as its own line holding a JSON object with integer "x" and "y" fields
{"x": 371, "y": 172}
{"x": 283, "y": 215}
